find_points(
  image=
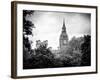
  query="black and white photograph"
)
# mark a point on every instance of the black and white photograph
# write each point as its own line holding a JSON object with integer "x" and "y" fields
{"x": 53, "y": 39}
{"x": 56, "y": 39}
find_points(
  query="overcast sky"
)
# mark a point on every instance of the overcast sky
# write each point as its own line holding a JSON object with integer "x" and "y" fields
{"x": 49, "y": 25}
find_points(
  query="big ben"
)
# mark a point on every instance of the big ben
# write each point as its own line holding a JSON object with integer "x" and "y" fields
{"x": 63, "y": 37}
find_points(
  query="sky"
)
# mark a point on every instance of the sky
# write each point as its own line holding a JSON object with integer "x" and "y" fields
{"x": 48, "y": 26}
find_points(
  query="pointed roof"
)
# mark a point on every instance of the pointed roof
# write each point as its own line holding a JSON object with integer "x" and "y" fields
{"x": 64, "y": 22}
{"x": 64, "y": 27}
{"x": 63, "y": 34}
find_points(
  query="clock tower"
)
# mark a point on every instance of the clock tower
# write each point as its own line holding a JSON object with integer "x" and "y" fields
{"x": 63, "y": 37}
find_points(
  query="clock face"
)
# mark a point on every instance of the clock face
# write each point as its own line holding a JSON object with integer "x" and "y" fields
{"x": 65, "y": 42}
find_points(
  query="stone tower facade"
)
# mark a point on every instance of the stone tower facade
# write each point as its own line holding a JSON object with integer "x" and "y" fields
{"x": 63, "y": 37}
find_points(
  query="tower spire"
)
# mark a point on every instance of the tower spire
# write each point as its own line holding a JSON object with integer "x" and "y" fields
{"x": 64, "y": 27}
{"x": 64, "y": 22}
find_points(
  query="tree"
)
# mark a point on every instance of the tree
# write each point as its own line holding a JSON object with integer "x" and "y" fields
{"x": 42, "y": 59}
{"x": 45, "y": 56}
{"x": 86, "y": 51}
{"x": 75, "y": 43}
{"x": 27, "y": 30}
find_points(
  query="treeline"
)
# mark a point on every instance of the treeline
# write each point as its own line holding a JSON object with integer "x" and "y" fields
{"x": 78, "y": 53}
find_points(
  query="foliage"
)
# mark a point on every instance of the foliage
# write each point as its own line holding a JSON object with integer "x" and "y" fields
{"x": 86, "y": 50}
{"x": 42, "y": 59}
{"x": 27, "y": 30}
{"x": 71, "y": 57}
{"x": 75, "y": 43}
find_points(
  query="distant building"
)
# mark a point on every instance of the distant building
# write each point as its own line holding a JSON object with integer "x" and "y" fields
{"x": 63, "y": 40}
